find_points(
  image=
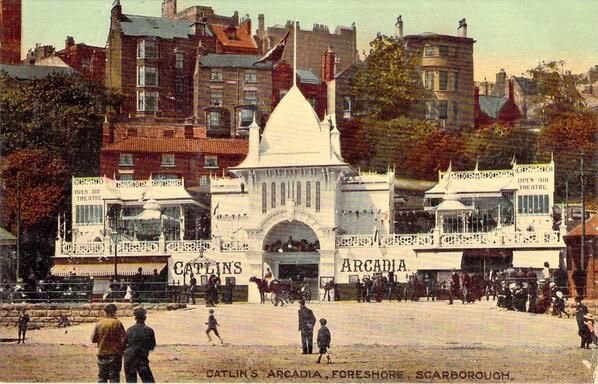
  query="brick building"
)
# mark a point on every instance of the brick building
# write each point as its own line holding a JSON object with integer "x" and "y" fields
{"x": 311, "y": 44}
{"x": 447, "y": 70}
{"x": 194, "y": 160}
{"x": 10, "y": 31}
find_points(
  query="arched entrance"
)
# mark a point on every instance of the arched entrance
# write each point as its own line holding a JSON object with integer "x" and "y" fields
{"x": 291, "y": 252}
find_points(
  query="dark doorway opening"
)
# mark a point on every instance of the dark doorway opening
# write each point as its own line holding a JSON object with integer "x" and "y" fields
{"x": 298, "y": 272}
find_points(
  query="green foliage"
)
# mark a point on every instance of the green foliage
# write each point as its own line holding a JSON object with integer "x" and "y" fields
{"x": 388, "y": 85}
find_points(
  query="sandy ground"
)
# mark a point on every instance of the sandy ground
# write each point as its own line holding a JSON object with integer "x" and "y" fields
{"x": 370, "y": 342}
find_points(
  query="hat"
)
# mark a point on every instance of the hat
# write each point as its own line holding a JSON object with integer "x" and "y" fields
{"x": 552, "y": 284}
{"x": 588, "y": 316}
{"x": 140, "y": 313}
{"x": 323, "y": 321}
{"x": 211, "y": 311}
{"x": 110, "y": 308}
{"x": 559, "y": 294}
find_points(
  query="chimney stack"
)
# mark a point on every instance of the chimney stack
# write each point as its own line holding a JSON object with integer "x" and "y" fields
{"x": 399, "y": 26}
{"x": 169, "y": 9}
{"x": 327, "y": 67}
{"x": 500, "y": 85}
{"x": 69, "y": 42}
{"x": 462, "y": 30}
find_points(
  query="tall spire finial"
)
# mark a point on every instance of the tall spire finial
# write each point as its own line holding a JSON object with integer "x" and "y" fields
{"x": 294, "y": 53}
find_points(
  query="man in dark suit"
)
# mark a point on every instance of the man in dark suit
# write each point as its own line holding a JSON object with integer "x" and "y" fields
{"x": 307, "y": 320}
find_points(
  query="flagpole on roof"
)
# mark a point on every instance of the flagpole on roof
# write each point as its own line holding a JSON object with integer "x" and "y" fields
{"x": 294, "y": 53}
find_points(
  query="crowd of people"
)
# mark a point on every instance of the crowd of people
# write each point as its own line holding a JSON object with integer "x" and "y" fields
{"x": 292, "y": 246}
{"x": 213, "y": 291}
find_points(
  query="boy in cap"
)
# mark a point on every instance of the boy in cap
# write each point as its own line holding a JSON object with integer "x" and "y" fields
{"x": 213, "y": 326}
{"x": 140, "y": 341}
{"x": 110, "y": 336}
{"x": 23, "y": 323}
{"x": 323, "y": 341}
{"x": 589, "y": 335}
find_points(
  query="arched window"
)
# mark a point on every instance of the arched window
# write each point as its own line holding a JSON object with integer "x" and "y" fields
{"x": 317, "y": 196}
{"x": 298, "y": 193}
{"x": 282, "y": 193}
{"x": 264, "y": 198}
{"x": 273, "y": 195}
{"x": 308, "y": 194}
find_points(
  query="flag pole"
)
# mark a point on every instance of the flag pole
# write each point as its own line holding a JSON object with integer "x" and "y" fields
{"x": 294, "y": 53}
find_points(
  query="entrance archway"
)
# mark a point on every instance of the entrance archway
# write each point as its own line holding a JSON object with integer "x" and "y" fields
{"x": 291, "y": 252}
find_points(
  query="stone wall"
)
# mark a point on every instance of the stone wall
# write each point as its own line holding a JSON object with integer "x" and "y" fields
{"x": 48, "y": 315}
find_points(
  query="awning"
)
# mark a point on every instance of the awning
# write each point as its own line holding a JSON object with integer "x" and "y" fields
{"x": 105, "y": 269}
{"x": 438, "y": 260}
{"x": 536, "y": 259}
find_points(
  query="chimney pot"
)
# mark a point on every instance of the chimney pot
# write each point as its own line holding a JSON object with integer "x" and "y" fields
{"x": 462, "y": 30}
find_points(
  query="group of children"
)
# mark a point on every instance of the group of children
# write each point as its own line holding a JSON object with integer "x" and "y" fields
{"x": 323, "y": 341}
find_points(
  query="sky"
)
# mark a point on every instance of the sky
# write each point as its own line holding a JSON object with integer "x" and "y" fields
{"x": 512, "y": 34}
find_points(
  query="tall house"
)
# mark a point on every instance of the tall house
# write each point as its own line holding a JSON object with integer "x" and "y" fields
{"x": 312, "y": 43}
{"x": 447, "y": 70}
{"x": 10, "y": 31}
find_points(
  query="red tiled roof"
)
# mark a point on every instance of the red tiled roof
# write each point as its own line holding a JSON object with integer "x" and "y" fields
{"x": 180, "y": 145}
{"x": 245, "y": 40}
{"x": 591, "y": 228}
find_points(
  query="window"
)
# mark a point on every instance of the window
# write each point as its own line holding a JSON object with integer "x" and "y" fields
{"x": 147, "y": 101}
{"x": 250, "y": 97}
{"x": 347, "y": 107}
{"x": 429, "y": 79}
{"x": 264, "y": 198}
{"x": 442, "y": 109}
{"x": 273, "y": 186}
{"x": 308, "y": 194}
{"x": 147, "y": 49}
{"x": 282, "y": 92}
{"x": 168, "y": 160}
{"x": 125, "y": 159}
{"x": 85, "y": 65}
{"x": 533, "y": 204}
{"x": 453, "y": 81}
{"x": 179, "y": 61}
{"x": 298, "y": 193}
{"x": 147, "y": 76}
{"x": 214, "y": 120}
{"x": 282, "y": 194}
{"x": 211, "y": 162}
{"x": 168, "y": 133}
{"x": 165, "y": 176}
{"x": 179, "y": 87}
{"x": 455, "y": 111}
{"x": 430, "y": 51}
{"x": 443, "y": 80}
{"x": 250, "y": 77}
{"x": 430, "y": 115}
{"x": 216, "y": 98}
{"x": 245, "y": 117}
{"x": 89, "y": 214}
{"x": 443, "y": 51}
{"x": 216, "y": 74}
{"x": 125, "y": 177}
{"x": 204, "y": 180}
{"x": 317, "y": 196}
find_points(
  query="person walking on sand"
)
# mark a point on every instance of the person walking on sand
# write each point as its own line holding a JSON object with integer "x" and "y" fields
{"x": 110, "y": 336}
{"x": 140, "y": 341}
{"x": 213, "y": 326}
{"x": 23, "y": 324}
{"x": 580, "y": 311}
{"x": 307, "y": 320}
{"x": 323, "y": 341}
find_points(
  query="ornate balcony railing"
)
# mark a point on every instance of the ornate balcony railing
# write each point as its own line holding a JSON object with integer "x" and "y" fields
{"x": 138, "y": 247}
{"x": 234, "y": 246}
{"x": 355, "y": 241}
{"x": 188, "y": 246}
{"x": 83, "y": 249}
{"x": 417, "y": 239}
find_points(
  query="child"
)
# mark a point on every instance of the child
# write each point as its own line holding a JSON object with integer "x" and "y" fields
{"x": 212, "y": 326}
{"x": 324, "y": 339}
{"x": 589, "y": 336}
{"x": 23, "y": 321}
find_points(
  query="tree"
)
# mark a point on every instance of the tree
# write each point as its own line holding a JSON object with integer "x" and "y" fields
{"x": 37, "y": 181}
{"x": 388, "y": 85}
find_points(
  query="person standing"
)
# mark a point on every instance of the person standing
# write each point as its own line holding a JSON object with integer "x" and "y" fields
{"x": 110, "y": 336}
{"x": 23, "y": 324}
{"x": 213, "y": 327}
{"x": 454, "y": 286}
{"x": 580, "y": 311}
{"x": 140, "y": 341}
{"x": 307, "y": 320}
{"x": 358, "y": 290}
{"x": 323, "y": 341}
{"x": 192, "y": 288}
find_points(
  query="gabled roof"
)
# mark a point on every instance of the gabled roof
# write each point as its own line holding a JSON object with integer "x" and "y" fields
{"x": 6, "y": 236}
{"x": 214, "y": 60}
{"x": 307, "y": 77}
{"x": 243, "y": 39}
{"x": 179, "y": 145}
{"x": 30, "y": 72}
{"x": 591, "y": 228}
{"x": 133, "y": 25}
{"x": 491, "y": 105}
{"x": 529, "y": 86}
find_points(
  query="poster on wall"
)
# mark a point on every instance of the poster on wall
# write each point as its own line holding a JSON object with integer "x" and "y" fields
{"x": 298, "y": 191}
